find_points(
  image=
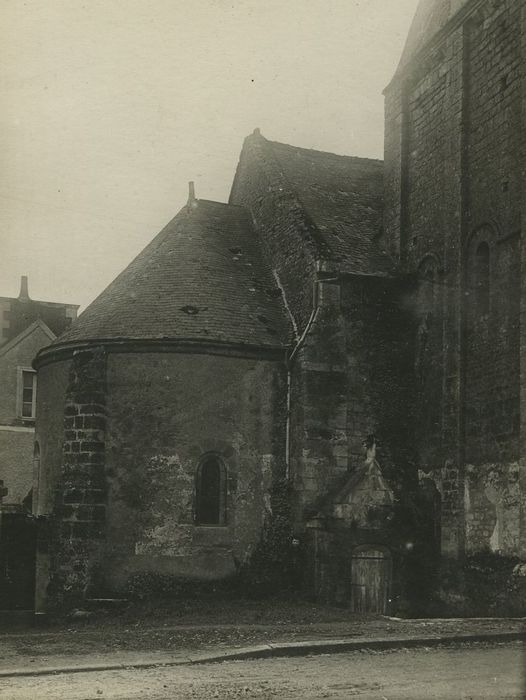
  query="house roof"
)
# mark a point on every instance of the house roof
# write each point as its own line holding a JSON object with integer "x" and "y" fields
{"x": 24, "y": 311}
{"x": 343, "y": 197}
{"x": 203, "y": 277}
{"x": 6, "y": 347}
{"x": 430, "y": 17}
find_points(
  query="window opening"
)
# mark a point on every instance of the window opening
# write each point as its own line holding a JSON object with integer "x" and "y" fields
{"x": 27, "y": 384}
{"x": 210, "y": 492}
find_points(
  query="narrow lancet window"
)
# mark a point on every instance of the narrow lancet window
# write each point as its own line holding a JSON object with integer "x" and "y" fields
{"x": 210, "y": 492}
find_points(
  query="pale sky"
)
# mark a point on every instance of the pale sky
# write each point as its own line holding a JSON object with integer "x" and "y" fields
{"x": 110, "y": 107}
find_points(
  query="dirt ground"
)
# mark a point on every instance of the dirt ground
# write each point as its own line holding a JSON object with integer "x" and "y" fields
{"x": 220, "y": 627}
{"x": 473, "y": 672}
{"x": 192, "y": 626}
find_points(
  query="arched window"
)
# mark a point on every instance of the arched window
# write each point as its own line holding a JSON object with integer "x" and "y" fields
{"x": 210, "y": 506}
{"x": 482, "y": 279}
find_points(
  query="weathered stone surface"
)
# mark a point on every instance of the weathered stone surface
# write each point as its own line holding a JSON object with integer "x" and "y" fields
{"x": 454, "y": 179}
{"x": 424, "y": 356}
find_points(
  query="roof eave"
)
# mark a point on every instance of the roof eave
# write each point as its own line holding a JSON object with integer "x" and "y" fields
{"x": 63, "y": 351}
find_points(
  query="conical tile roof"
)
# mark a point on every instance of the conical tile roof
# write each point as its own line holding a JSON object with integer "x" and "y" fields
{"x": 203, "y": 277}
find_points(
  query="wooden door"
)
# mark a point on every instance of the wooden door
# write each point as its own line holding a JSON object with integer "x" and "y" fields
{"x": 370, "y": 581}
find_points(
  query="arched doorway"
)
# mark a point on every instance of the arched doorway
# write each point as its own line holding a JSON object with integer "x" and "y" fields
{"x": 370, "y": 579}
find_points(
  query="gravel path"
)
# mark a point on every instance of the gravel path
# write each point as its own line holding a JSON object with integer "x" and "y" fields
{"x": 475, "y": 672}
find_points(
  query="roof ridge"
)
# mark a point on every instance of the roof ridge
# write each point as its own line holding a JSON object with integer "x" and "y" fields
{"x": 326, "y": 153}
{"x": 224, "y": 204}
{"x": 40, "y": 301}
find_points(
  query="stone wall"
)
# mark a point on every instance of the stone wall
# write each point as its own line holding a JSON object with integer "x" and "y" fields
{"x": 81, "y": 493}
{"x": 453, "y": 181}
{"x": 77, "y": 529}
{"x": 491, "y": 355}
{"x": 121, "y": 437}
{"x": 164, "y": 413}
{"x": 352, "y": 379}
{"x": 319, "y": 439}
{"x": 492, "y": 501}
{"x": 379, "y": 353}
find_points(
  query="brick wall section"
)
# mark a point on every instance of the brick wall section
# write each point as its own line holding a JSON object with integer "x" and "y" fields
{"x": 284, "y": 229}
{"x": 80, "y": 497}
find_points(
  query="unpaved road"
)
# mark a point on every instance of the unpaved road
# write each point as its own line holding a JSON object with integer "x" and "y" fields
{"x": 467, "y": 673}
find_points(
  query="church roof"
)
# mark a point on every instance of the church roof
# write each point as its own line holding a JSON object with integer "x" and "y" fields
{"x": 343, "y": 197}
{"x": 430, "y": 17}
{"x": 203, "y": 277}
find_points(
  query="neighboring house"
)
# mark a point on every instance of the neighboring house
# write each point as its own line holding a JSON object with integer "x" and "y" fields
{"x": 26, "y": 326}
{"x": 341, "y": 327}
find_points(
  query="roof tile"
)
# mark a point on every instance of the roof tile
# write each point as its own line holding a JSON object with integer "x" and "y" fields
{"x": 343, "y": 196}
{"x": 203, "y": 277}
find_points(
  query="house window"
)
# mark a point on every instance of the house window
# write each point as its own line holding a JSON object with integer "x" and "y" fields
{"x": 27, "y": 393}
{"x": 482, "y": 279}
{"x": 210, "y": 492}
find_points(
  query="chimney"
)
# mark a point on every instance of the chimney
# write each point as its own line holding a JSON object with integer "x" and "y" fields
{"x": 24, "y": 294}
{"x": 192, "y": 201}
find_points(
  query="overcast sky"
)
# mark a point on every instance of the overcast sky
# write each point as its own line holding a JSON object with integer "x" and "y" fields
{"x": 109, "y": 107}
